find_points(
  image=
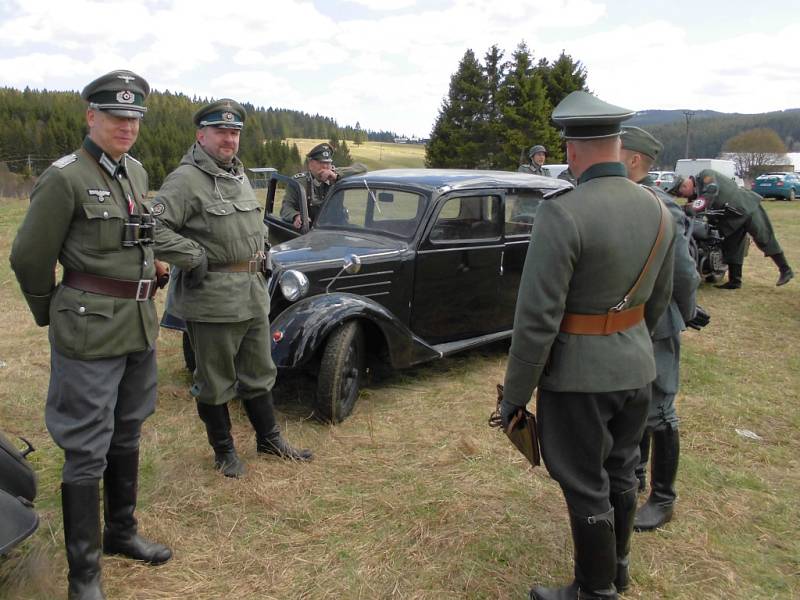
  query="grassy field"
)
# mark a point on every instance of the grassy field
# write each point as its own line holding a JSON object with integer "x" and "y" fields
{"x": 375, "y": 155}
{"x": 415, "y": 497}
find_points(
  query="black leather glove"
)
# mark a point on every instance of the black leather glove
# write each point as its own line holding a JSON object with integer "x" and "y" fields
{"x": 196, "y": 276}
{"x": 700, "y": 319}
{"x": 507, "y": 412}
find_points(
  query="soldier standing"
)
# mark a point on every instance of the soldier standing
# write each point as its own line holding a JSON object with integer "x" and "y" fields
{"x": 639, "y": 152}
{"x": 536, "y": 156}
{"x": 589, "y": 295}
{"x": 86, "y": 212}
{"x": 743, "y": 215}
{"x": 210, "y": 226}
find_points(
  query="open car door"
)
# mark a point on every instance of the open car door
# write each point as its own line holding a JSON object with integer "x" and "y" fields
{"x": 280, "y": 230}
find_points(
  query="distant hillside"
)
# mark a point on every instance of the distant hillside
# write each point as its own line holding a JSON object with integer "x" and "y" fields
{"x": 650, "y": 118}
{"x": 709, "y": 130}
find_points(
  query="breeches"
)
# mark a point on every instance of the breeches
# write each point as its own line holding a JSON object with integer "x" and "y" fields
{"x": 590, "y": 444}
{"x": 97, "y": 407}
{"x": 759, "y": 227}
{"x": 233, "y": 359}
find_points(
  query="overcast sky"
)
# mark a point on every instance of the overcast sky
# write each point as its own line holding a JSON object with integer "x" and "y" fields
{"x": 387, "y": 63}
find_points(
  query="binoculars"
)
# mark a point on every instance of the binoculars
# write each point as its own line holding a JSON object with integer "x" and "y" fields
{"x": 138, "y": 230}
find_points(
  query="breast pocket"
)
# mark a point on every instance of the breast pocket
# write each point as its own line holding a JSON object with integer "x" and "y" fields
{"x": 104, "y": 227}
{"x": 235, "y": 220}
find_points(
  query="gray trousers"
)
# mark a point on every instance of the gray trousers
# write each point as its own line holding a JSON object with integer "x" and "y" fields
{"x": 233, "y": 359}
{"x": 590, "y": 444}
{"x": 667, "y": 353}
{"x": 97, "y": 407}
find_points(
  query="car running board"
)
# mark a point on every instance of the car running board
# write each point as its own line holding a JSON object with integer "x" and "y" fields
{"x": 461, "y": 345}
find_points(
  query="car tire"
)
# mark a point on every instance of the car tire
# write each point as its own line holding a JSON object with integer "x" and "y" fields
{"x": 791, "y": 197}
{"x": 341, "y": 372}
{"x": 188, "y": 354}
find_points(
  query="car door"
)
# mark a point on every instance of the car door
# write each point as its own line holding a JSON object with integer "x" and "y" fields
{"x": 280, "y": 230}
{"x": 458, "y": 268}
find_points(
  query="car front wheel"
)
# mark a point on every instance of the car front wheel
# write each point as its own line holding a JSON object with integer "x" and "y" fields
{"x": 792, "y": 195}
{"x": 341, "y": 373}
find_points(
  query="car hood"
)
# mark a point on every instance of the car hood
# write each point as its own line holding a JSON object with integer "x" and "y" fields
{"x": 319, "y": 247}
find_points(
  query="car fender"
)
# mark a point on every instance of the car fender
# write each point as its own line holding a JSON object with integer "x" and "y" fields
{"x": 303, "y": 327}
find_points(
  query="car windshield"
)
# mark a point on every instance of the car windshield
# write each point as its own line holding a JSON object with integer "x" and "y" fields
{"x": 374, "y": 209}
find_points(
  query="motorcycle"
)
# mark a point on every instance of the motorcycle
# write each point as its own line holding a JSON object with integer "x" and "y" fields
{"x": 705, "y": 244}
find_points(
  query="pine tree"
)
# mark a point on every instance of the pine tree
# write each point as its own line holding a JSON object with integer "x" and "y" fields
{"x": 457, "y": 140}
{"x": 563, "y": 77}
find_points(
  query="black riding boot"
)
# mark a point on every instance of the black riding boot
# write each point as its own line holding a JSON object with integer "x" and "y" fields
{"x": 268, "y": 435}
{"x": 218, "y": 428}
{"x": 644, "y": 457}
{"x": 624, "y": 504}
{"x": 80, "y": 504}
{"x": 786, "y": 272}
{"x": 595, "y": 561}
{"x": 659, "y": 506}
{"x": 734, "y": 278}
{"x": 120, "y": 486}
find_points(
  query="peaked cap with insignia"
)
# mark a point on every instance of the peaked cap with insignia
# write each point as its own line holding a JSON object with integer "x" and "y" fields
{"x": 638, "y": 140}
{"x": 121, "y": 93}
{"x": 321, "y": 152}
{"x": 583, "y": 116}
{"x": 225, "y": 113}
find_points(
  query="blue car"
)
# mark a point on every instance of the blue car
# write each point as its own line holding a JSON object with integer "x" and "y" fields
{"x": 777, "y": 185}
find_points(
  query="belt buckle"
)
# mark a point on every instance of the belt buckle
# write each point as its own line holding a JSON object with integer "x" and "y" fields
{"x": 143, "y": 290}
{"x": 252, "y": 266}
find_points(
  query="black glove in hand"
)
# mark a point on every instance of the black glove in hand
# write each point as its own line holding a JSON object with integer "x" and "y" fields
{"x": 196, "y": 276}
{"x": 507, "y": 412}
{"x": 700, "y": 319}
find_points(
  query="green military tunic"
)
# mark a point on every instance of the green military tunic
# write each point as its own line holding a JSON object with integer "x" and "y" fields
{"x": 717, "y": 191}
{"x": 78, "y": 209}
{"x": 201, "y": 207}
{"x": 534, "y": 169}
{"x": 316, "y": 192}
{"x": 583, "y": 259}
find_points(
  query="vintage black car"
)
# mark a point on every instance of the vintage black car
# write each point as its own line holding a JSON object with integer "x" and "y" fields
{"x": 402, "y": 266}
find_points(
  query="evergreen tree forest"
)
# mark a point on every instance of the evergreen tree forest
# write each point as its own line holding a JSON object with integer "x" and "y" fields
{"x": 495, "y": 110}
{"x": 38, "y": 127}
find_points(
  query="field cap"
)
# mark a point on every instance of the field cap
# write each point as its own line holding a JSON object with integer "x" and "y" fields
{"x": 225, "y": 113}
{"x": 638, "y": 140}
{"x": 321, "y": 152}
{"x": 583, "y": 116}
{"x": 536, "y": 149}
{"x": 676, "y": 184}
{"x": 120, "y": 93}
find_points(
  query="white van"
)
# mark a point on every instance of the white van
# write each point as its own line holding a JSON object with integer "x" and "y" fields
{"x": 692, "y": 166}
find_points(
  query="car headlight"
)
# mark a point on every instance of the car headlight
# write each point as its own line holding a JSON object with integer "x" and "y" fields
{"x": 294, "y": 285}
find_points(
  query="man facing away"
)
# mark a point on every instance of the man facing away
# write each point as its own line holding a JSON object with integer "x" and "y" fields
{"x": 593, "y": 287}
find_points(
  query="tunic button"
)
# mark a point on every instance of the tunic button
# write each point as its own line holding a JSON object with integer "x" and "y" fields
{"x": 105, "y": 214}
{"x": 82, "y": 309}
{"x": 145, "y": 263}
{"x": 222, "y": 211}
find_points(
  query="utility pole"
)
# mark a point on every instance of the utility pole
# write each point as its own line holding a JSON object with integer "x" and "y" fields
{"x": 688, "y": 114}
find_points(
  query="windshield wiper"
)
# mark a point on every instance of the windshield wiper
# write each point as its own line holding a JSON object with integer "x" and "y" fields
{"x": 372, "y": 197}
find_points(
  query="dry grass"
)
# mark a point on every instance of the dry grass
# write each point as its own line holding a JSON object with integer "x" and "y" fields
{"x": 375, "y": 155}
{"x": 415, "y": 497}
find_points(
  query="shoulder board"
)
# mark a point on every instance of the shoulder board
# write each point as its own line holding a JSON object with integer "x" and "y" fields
{"x": 65, "y": 160}
{"x": 299, "y": 175}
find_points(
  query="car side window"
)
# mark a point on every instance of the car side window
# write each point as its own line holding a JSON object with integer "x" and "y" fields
{"x": 520, "y": 212}
{"x": 467, "y": 218}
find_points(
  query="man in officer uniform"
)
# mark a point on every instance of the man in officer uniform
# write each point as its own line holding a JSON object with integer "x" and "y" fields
{"x": 536, "y": 156}
{"x": 210, "y": 226}
{"x": 86, "y": 212}
{"x": 743, "y": 215}
{"x": 320, "y": 175}
{"x": 589, "y": 296}
{"x": 639, "y": 152}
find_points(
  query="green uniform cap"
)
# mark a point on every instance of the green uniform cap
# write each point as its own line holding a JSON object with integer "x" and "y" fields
{"x": 676, "y": 184}
{"x": 536, "y": 149}
{"x": 583, "y": 116}
{"x": 225, "y": 113}
{"x": 120, "y": 93}
{"x": 638, "y": 140}
{"x": 321, "y": 152}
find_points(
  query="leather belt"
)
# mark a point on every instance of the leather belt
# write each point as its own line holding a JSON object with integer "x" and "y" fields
{"x": 611, "y": 322}
{"x": 140, "y": 290}
{"x": 254, "y": 265}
